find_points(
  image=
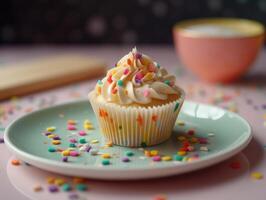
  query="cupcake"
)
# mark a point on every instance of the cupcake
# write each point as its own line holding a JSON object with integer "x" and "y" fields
{"x": 137, "y": 103}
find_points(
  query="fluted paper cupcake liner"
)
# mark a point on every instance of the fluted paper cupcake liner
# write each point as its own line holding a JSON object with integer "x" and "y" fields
{"x": 136, "y": 126}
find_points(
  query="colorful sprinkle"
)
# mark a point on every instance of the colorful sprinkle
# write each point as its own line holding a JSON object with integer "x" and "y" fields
{"x": 51, "y": 129}
{"x": 94, "y": 141}
{"x": 166, "y": 158}
{"x": 53, "y": 188}
{"x": 154, "y": 152}
{"x": 15, "y": 162}
{"x": 71, "y": 122}
{"x": 73, "y": 140}
{"x": 51, "y": 149}
{"x": 71, "y": 127}
{"x": 82, "y": 141}
{"x": 74, "y": 153}
{"x": 126, "y": 71}
{"x": 129, "y": 153}
{"x": 37, "y": 188}
{"x": 65, "y": 159}
{"x": 156, "y": 158}
{"x": 257, "y": 175}
{"x": 181, "y": 153}
{"x": 72, "y": 145}
{"x": 125, "y": 159}
{"x": 120, "y": 83}
{"x": 105, "y": 162}
{"x": 167, "y": 82}
{"x": 146, "y": 93}
{"x": 82, "y": 133}
{"x": 140, "y": 120}
{"x": 106, "y": 155}
{"x": 59, "y": 181}
{"x": 2, "y": 140}
{"x": 81, "y": 187}
{"x": 66, "y": 187}
{"x": 178, "y": 157}
{"x": 56, "y": 142}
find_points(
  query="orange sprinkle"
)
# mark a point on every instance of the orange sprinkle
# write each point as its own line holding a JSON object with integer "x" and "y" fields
{"x": 140, "y": 120}
{"x": 15, "y": 162}
{"x": 129, "y": 61}
{"x": 154, "y": 118}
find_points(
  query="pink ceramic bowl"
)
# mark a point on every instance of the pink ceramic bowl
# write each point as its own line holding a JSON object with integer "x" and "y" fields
{"x": 219, "y": 49}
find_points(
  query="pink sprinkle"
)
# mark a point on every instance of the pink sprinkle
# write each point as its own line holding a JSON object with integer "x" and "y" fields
{"x": 74, "y": 153}
{"x": 71, "y": 127}
{"x": 146, "y": 93}
{"x": 139, "y": 75}
{"x": 126, "y": 71}
{"x": 156, "y": 158}
{"x": 72, "y": 140}
{"x": 82, "y": 133}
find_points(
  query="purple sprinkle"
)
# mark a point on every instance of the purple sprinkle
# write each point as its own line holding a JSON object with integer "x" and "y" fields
{"x": 56, "y": 138}
{"x": 138, "y": 80}
{"x": 264, "y": 106}
{"x": 65, "y": 159}
{"x": 88, "y": 149}
{"x": 125, "y": 159}
{"x": 203, "y": 140}
{"x": 47, "y": 133}
{"x": 2, "y": 140}
{"x": 53, "y": 188}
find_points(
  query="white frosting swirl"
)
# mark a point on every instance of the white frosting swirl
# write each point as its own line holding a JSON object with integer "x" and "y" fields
{"x": 136, "y": 79}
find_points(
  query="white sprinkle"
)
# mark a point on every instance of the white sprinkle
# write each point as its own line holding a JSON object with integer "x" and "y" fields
{"x": 211, "y": 134}
{"x": 204, "y": 148}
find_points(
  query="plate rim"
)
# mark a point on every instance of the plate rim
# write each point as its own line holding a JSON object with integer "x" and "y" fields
{"x": 199, "y": 164}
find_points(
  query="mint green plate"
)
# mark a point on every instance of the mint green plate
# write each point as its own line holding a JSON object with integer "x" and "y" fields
{"x": 227, "y": 134}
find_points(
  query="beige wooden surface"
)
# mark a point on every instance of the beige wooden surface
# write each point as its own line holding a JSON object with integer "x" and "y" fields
{"x": 43, "y": 73}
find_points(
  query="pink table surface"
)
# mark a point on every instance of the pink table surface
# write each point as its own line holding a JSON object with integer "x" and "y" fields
{"x": 247, "y": 97}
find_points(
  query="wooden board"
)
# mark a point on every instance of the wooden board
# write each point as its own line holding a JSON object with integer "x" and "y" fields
{"x": 47, "y": 72}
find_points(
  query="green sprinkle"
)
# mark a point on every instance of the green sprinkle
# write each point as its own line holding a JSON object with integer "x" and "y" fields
{"x": 66, "y": 187}
{"x": 99, "y": 82}
{"x": 120, "y": 83}
{"x": 105, "y": 162}
{"x": 167, "y": 82}
{"x": 72, "y": 145}
{"x": 82, "y": 141}
{"x": 178, "y": 157}
{"x": 129, "y": 153}
{"x": 81, "y": 187}
{"x": 176, "y": 106}
{"x": 158, "y": 65}
{"x": 143, "y": 144}
{"x": 51, "y": 149}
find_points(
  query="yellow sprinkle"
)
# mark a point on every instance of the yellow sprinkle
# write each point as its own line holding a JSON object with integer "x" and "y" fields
{"x": 94, "y": 141}
{"x": 71, "y": 149}
{"x": 56, "y": 142}
{"x": 154, "y": 152}
{"x": 106, "y": 155}
{"x": 181, "y": 138}
{"x": 166, "y": 158}
{"x": 180, "y": 122}
{"x": 88, "y": 126}
{"x": 51, "y": 129}
{"x": 181, "y": 153}
{"x": 65, "y": 153}
{"x": 257, "y": 175}
{"x": 50, "y": 180}
{"x": 51, "y": 136}
{"x": 59, "y": 181}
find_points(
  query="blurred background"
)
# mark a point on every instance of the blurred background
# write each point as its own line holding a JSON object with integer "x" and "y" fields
{"x": 105, "y": 21}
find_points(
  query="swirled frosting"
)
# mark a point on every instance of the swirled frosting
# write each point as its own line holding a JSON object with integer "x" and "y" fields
{"x": 136, "y": 79}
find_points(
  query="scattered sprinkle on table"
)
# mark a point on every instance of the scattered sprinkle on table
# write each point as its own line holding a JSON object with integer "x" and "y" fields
{"x": 66, "y": 187}
{"x": 51, "y": 129}
{"x": 52, "y": 188}
{"x": 2, "y": 140}
{"x": 15, "y": 162}
{"x": 256, "y": 175}
{"x": 51, "y": 149}
{"x": 125, "y": 159}
{"x": 37, "y": 188}
{"x": 129, "y": 153}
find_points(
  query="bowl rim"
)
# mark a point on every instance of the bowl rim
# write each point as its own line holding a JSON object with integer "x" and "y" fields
{"x": 256, "y": 28}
